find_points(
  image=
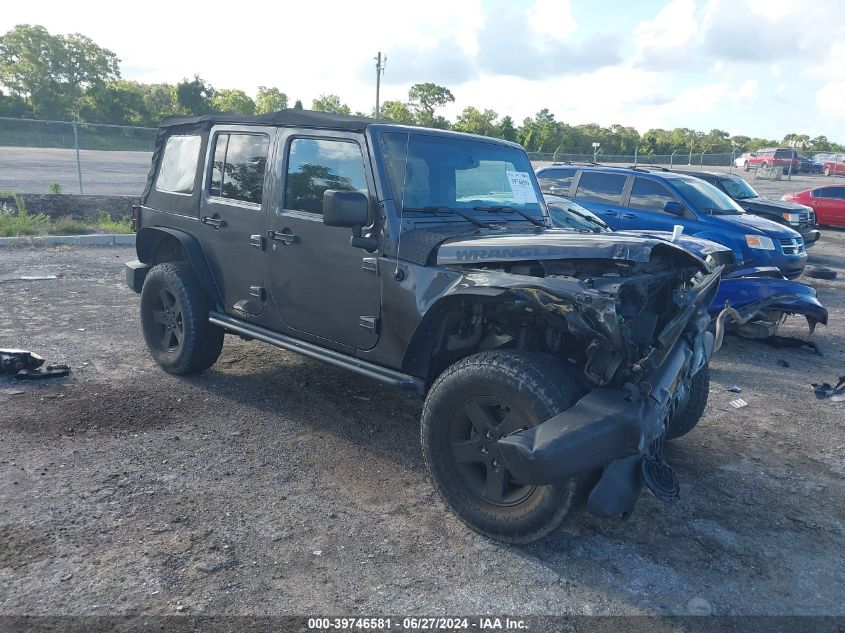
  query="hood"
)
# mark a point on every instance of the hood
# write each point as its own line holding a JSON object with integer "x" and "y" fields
{"x": 762, "y": 204}
{"x": 760, "y": 225}
{"x": 553, "y": 244}
{"x": 697, "y": 245}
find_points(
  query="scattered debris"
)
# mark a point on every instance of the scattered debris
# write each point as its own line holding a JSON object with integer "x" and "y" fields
{"x": 25, "y": 365}
{"x": 317, "y": 552}
{"x": 824, "y": 390}
{"x": 819, "y": 272}
{"x": 37, "y": 277}
{"x": 738, "y": 403}
{"x": 735, "y": 389}
{"x": 783, "y": 363}
{"x": 792, "y": 342}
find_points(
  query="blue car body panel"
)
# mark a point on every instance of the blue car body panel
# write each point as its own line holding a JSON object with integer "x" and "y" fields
{"x": 770, "y": 293}
{"x": 789, "y": 253}
{"x": 749, "y": 289}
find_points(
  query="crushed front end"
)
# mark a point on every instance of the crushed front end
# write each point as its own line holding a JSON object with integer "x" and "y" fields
{"x": 637, "y": 325}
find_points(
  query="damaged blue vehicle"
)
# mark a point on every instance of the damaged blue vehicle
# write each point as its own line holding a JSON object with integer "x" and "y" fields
{"x": 761, "y": 297}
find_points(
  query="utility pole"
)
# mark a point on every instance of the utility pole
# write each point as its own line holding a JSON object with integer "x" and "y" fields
{"x": 381, "y": 62}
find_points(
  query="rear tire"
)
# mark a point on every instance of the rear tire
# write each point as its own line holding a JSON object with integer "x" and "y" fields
{"x": 174, "y": 319}
{"x": 746, "y": 166}
{"x": 827, "y": 171}
{"x": 472, "y": 404}
{"x": 685, "y": 420}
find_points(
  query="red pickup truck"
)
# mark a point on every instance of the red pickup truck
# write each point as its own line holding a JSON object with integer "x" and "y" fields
{"x": 774, "y": 157}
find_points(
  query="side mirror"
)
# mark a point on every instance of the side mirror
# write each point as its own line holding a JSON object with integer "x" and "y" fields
{"x": 345, "y": 208}
{"x": 674, "y": 207}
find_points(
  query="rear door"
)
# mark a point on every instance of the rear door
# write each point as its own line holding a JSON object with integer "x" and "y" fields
{"x": 829, "y": 205}
{"x": 232, "y": 211}
{"x": 320, "y": 284}
{"x": 645, "y": 207}
{"x": 602, "y": 193}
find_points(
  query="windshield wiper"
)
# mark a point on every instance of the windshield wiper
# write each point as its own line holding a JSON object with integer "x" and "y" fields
{"x": 595, "y": 221}
{"x": 433, "y": 210}
{"x": 500, "y": 208}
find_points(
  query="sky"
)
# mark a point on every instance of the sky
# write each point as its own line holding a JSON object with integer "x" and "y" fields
{"x": 756, "y": 67}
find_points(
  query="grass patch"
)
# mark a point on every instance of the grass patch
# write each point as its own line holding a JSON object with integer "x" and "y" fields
{"x": 107, "y": 225}
{"x": 69, "y": 226}
{"x": 16, "y": 221}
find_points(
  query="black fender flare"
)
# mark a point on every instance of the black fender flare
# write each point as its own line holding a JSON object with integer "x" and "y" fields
{"x": 147, "y": 240}
{"x": 418, "y": 354}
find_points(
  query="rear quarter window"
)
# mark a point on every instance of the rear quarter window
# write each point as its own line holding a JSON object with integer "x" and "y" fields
{"x": 178, "y": 167}
{"x": 558, "y": 180}
{"x": 599, "y": 187}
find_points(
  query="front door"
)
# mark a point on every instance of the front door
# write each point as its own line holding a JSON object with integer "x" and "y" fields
{"x": 318, "y": 282}
{"x": 233, "y": 214}
{"x": 645, "y": 208}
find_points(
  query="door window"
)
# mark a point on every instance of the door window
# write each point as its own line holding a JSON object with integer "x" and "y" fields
{"x": 649, "y": 195}
{"x": 835, "y": 193}
{"x": 599, "y": 187}
{"x": 238, "y": 169}
{"x": 561, "y": 179}
{"x": 315, "y": 165}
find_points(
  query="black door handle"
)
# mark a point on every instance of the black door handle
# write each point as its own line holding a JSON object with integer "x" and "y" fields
{"x": 285, "y": 236}
{"x": 215, "y": 223}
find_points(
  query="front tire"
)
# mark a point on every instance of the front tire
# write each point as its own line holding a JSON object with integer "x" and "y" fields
{"x": 827, "y": 171}
{"x": 685, "y": 420}
{"x": 472, "y": 404}
{"x": 174, "y": 319}
{"x": 746, "y": 166}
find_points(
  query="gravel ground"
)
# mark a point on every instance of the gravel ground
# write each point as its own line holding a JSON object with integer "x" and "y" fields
{"x": 272, "y": 484}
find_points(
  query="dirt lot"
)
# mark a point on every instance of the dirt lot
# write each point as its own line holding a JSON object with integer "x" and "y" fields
{"x": 273, "y": 484}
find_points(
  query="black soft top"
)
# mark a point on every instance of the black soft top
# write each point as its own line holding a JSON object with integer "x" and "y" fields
{"x": 291, "y": 118}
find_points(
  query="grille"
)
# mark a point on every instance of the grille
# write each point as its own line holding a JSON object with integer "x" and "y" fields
{"x": 791, "y": 246}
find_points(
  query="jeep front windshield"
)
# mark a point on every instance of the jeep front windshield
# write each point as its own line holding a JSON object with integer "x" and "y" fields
{"x": 438, "y": 174}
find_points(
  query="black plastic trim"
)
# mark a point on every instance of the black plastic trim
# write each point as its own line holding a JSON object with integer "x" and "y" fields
{"x": 389, "y": 376}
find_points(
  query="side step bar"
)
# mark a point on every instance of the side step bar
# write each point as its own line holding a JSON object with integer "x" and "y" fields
{"x": 389, "y": 376}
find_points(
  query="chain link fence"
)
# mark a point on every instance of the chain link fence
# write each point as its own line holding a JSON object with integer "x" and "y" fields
{"x": 68, "y": 157}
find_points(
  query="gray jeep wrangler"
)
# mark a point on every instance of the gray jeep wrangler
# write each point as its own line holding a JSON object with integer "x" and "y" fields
{"x": 553, "y": 363}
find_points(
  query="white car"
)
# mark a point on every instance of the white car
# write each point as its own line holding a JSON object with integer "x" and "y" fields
{"x": 742, "y": 159}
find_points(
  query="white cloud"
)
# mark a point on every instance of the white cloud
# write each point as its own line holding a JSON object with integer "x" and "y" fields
{"x": 664, "y": 41}
{"x": 553, "y": 18}
{"x": 830, "y": 100}
{"x": 745, "y": 91}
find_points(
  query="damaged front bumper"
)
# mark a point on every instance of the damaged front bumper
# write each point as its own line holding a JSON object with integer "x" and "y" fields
{"x": 620, "y": 430}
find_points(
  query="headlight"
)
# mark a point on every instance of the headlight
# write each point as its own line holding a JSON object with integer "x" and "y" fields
{"x": 792, "y": 218}
{"x": 760, "y": 241}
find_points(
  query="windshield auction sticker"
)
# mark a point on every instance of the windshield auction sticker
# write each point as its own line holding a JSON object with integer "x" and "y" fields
{"x": 520, "y": 182}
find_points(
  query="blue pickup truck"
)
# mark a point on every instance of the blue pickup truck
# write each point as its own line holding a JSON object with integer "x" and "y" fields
{"x": 641, "y": 198}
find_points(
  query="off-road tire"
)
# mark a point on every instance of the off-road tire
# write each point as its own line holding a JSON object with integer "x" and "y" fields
{"x": 200, "y": 343}
{"x": 537, "y": 387}
{"x": 684, "y": 421}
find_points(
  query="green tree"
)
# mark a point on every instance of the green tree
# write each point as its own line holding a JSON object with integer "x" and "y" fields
{"x": 270, "y": 100}
{"x": 396, "y": 111}
{"x": 194, "y": 97}
{"x": 118, "y": 102}
{"x": 233, "y": 101}
{"x": 506, "y": 129}
{"x": 474, "y": 121}
{"x": 12, "y": 106}
{"x": 159, "y": 101}
{"x": 425, "y": 99}
{"x": 52, "y": 73}
{"x": 297, "y": 105}
{"x": 330, "y": 103}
